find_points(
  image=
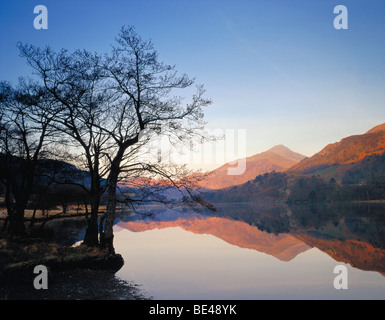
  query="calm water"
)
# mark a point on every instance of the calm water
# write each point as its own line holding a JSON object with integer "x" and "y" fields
{"x": 246, "y": 251}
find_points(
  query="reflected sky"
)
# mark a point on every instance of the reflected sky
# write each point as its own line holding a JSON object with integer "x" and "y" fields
{"x": 173, "y": 263}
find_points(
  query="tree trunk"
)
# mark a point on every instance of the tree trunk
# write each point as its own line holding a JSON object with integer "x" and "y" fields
{"x": 9, "y": 205}
{"x": 92, "y": 235}
{"x": 17, "y": 227}
{"x": 107, "y": 236}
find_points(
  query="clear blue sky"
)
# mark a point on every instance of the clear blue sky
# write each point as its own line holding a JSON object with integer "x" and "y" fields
{"x": 278, "y": 69}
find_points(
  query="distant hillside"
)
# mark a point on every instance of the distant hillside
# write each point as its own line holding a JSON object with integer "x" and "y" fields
{"x": 347, "y": 151}
{"x": 278, "y": 158}
{"x": 352, "y": 169}
{"x": 378, "y": 128}
{"x": 299, "y": 188}
{"x": 369, "y": 169}
{"x": 47, "y": 169}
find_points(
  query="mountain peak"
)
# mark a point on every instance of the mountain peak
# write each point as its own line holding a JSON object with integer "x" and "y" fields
{"x": 285, "y": 152}
{"x": 380, "y": 127}
{"x": 278, "y": 158}
{"x": 279, "y": 147}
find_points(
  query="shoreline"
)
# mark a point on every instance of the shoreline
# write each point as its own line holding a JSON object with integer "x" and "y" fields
{"x": 78, "y": 284}
{"x": 74, "y": 273}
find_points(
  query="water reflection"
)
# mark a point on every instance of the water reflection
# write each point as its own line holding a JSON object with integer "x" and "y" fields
{"x": 250, "y": 251}
{"x": 349, "y": 233}
{"x": 282, "y": 246}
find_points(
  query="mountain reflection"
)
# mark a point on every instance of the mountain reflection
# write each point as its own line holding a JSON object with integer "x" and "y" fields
{"x": 282, "y": 246}
{"x": 353, "y": 234}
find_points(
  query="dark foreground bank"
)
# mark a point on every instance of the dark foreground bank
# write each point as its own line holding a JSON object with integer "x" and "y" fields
{"x": 79, "y": 284}
{"x": 74, "y": 273}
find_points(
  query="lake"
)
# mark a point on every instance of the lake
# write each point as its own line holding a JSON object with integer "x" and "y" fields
{"x": 253, "y": 251}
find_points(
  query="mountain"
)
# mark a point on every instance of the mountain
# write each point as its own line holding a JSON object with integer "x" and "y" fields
{"x": 378, "y": 128}
{"x": 351, "y": 169}
{"x": 278, "y": 158}
{"x": 348, "y": 151}
{"x": 283, "y": 246}
{"x": 285, "y": 152}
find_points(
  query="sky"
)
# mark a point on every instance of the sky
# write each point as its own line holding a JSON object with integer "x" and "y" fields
{"x": 277, "y": 69}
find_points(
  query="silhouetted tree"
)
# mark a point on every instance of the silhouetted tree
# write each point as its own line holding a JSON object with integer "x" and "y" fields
{"x": 75, "y": 82}
{"x": 146, "y": 88}
{"x": 24, "y": 140}
{"x": 111, "y": 106}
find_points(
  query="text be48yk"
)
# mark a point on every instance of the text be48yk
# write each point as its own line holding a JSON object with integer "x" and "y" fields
{"x": 214, "y": 309}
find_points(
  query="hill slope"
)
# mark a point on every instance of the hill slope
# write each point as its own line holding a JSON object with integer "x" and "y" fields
{"x": 347, "y": 151}
{"x": 352, "y": 169}
{"x": 278, "y": 158}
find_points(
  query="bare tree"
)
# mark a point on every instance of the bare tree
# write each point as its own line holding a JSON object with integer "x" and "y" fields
{"x": 111, "y": 106}
{"x": 74, "y": 81}
{"x": 24, "y": 138}
{"x": 146, "y": 87}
